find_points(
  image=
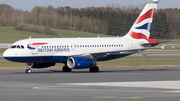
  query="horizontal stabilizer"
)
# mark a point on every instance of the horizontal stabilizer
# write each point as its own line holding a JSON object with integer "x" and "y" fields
{"x": 155, "y": 43}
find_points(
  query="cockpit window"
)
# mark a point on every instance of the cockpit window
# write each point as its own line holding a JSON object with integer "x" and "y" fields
{"x": 17, "y": 47}
{"x": 14, "y": 46}
{"x": 22, "y": 46}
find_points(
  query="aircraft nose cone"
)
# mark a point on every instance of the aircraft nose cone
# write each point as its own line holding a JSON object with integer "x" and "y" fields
{"x": 5, "y": 54}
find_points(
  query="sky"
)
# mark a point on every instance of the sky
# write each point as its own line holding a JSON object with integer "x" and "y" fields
{"x": 28, "y": 5}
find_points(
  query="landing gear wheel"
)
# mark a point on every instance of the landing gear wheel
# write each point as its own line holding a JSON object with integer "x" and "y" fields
{"x": 29, "y": 71}
{"x": 29, "y": 65}
{"x": 66, "y": 69}
{"x": 94, "y": 69}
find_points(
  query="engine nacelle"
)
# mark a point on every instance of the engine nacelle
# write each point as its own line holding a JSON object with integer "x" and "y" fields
{"x": 42, "y": 65}
{"x": 81, "y": 62}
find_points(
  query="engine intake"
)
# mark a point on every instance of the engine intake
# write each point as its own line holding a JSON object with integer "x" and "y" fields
{"x": 81, "y": 62}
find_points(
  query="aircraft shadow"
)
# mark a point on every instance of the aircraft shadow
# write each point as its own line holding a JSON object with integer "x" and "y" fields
{"x": 101, "y": 71}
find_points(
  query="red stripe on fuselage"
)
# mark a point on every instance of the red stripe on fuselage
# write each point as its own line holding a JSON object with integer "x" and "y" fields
{"x": 148, "y": 14}
{"x": 37, "y": 44}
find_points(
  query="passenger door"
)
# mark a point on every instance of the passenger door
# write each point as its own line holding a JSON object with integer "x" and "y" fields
{"x": 130, "y": 45}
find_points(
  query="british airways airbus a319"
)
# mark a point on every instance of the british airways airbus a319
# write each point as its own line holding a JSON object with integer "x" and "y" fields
{"x": 81, "y": 53}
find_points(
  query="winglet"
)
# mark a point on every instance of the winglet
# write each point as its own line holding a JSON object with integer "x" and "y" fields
{"x": 162, "y": 47}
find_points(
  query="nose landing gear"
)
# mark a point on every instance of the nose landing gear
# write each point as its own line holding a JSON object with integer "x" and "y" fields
{"x": 29, "y": 71}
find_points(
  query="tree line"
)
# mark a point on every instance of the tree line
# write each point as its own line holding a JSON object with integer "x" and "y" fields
{"x": 109, "y": 20}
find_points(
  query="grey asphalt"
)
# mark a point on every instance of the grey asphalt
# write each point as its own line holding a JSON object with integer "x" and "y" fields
{"x": 80, "y": 85}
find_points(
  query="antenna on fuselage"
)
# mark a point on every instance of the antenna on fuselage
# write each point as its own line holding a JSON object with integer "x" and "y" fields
{"x": 155, "y": 1}
{"x": 98, "y": 36}
{"x": 30, "y": 37}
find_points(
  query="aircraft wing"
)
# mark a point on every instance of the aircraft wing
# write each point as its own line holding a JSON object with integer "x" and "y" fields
{"x": 118, "y": 52}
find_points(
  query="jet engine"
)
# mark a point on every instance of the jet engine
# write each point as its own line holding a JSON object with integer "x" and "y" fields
{"x": 81, "y": 62}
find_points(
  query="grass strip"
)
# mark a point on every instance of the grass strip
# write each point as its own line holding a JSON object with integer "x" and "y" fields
{"x": 127, "y": 62}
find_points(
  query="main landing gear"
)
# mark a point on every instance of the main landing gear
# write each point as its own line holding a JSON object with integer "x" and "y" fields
{"x": 91, "y": 69}
{"x": 29, "y": 71}
{"x": 94, "y": 69}
{"x": 66, "y": 69}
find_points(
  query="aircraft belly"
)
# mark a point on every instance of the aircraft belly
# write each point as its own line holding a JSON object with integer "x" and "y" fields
{"x": 111, "y": 57}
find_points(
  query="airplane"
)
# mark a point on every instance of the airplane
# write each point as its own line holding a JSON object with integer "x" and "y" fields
{"x": 83, "y": 53}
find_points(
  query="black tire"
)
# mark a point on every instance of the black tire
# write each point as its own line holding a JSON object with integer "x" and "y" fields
{"x": 26, "y": 71}
{"x": 29, "y": 71}
{"x": 66, "y": 69}
{"x": 94, "y": 69}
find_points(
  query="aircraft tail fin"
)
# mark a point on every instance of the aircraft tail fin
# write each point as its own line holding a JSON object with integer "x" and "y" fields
{"x": 142, "y": 26}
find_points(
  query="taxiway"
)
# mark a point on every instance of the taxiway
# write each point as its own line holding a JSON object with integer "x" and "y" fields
{"x": 139, "y": 84}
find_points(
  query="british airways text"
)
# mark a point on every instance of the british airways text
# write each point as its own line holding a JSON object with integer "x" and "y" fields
{"x": 53, "y": 50}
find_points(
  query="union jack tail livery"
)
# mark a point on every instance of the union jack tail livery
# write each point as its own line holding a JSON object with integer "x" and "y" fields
{"x": 142, "y": 26}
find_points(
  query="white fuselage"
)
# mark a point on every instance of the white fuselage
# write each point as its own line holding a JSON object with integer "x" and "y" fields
{"x": 66, "y": 47}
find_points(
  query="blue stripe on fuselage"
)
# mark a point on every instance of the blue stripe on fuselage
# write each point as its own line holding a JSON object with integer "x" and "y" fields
{"x": 57, "y": 59}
